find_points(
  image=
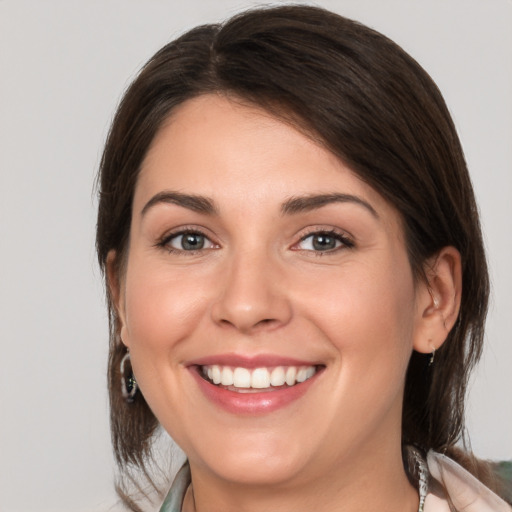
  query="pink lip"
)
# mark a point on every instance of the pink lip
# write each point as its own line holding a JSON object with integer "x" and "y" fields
{"x": 252, "y": 403}
{"x": 258, "y": 361}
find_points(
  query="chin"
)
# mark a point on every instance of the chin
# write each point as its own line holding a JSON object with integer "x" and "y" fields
{"x": 257, "y": 469}
{"x": 265, "y": 460}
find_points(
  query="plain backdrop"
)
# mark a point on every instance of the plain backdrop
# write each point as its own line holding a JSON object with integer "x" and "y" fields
{"x": 63, "y": 67}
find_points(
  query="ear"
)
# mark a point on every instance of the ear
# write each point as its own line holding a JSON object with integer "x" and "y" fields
{"x": 438, "y": 300}
{"x": 116, "y": 292}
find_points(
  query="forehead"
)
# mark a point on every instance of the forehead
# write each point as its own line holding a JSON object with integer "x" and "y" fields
{"x": 234, "y": 152}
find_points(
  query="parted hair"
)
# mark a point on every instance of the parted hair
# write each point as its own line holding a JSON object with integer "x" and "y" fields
{"x": 375, "y": 108}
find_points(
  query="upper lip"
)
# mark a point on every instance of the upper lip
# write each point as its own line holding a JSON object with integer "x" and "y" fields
{"x": 244, "y": 361}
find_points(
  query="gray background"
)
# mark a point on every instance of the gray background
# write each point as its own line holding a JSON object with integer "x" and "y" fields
{"x": 63, "y": 67}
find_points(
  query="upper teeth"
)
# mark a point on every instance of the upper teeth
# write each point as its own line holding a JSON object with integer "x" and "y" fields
{"x": 259, "y": 378}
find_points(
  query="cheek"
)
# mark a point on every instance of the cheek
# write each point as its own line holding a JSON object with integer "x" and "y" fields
{"x": 366, "y": 312}
{"x": 161, "y": 307}
{"x": 369, "y": 319}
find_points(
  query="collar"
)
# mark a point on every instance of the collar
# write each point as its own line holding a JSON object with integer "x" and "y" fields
{"x": 465, "y": 491}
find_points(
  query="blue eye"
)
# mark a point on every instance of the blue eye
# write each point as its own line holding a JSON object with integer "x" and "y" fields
{"x": 323, "y": 242}
{"x": 188, "y": 241}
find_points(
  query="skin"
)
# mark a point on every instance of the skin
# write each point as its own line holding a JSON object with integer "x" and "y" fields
{"x": 259, "y": 287}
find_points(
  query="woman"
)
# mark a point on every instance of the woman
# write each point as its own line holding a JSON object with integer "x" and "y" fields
{"x": 295, "y": 271}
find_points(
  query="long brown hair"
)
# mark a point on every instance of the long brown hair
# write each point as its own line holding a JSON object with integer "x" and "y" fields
{"x": 373, "y": 106}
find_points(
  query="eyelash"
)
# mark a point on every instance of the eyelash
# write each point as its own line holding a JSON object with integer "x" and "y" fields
{"x": 164, "y": 242}
{"x": 345, "y": 242}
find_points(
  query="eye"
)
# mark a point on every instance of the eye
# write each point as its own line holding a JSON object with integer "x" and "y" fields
{"x": 187, "y": 241}
{"x": 323, "y": 241}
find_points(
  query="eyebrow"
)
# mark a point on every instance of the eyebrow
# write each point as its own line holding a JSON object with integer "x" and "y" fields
{"x": 307, "y": 203}
{"x": 292, "y": 206}
{"x": 192, "y": 202}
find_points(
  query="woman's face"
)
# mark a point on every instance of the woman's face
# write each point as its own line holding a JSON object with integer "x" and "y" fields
{"x": 259, "y": 259}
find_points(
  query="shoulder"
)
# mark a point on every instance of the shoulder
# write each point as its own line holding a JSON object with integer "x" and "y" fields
{"x": 503, "y": 471}
{"x": 466, "y": 493}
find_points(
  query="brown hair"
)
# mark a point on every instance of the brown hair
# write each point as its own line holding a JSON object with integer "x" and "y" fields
{"x": 369, "y": 103}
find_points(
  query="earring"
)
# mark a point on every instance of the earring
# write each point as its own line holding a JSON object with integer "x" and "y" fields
{"x": 128, "y": 383}
{"x": 432, "y": 356}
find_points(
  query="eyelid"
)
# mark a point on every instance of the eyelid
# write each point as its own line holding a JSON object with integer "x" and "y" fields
{"x": 345, "y": 239}
{"x": 164, "y": 241}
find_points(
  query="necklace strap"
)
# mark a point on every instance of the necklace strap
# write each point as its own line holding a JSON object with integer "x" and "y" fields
{"x": 418, "y": 470}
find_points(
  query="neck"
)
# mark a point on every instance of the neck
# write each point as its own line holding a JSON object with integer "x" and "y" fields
{"x": 373, "y": 482}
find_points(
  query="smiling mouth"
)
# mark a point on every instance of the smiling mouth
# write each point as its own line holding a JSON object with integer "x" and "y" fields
{"x": 245, "y": 380}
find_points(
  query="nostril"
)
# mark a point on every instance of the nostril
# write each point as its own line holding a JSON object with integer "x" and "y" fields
{"x": 266, "y": 321}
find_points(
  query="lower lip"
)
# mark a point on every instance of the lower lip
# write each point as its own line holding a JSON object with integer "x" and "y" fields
{"x": 252, "y": 402}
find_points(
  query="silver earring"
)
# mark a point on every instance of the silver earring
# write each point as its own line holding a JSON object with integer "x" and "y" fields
{"x": 432, "y": 356}
{"x": 128, "y": 383}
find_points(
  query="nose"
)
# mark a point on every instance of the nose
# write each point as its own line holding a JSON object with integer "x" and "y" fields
{"x": 252, "y": 295}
